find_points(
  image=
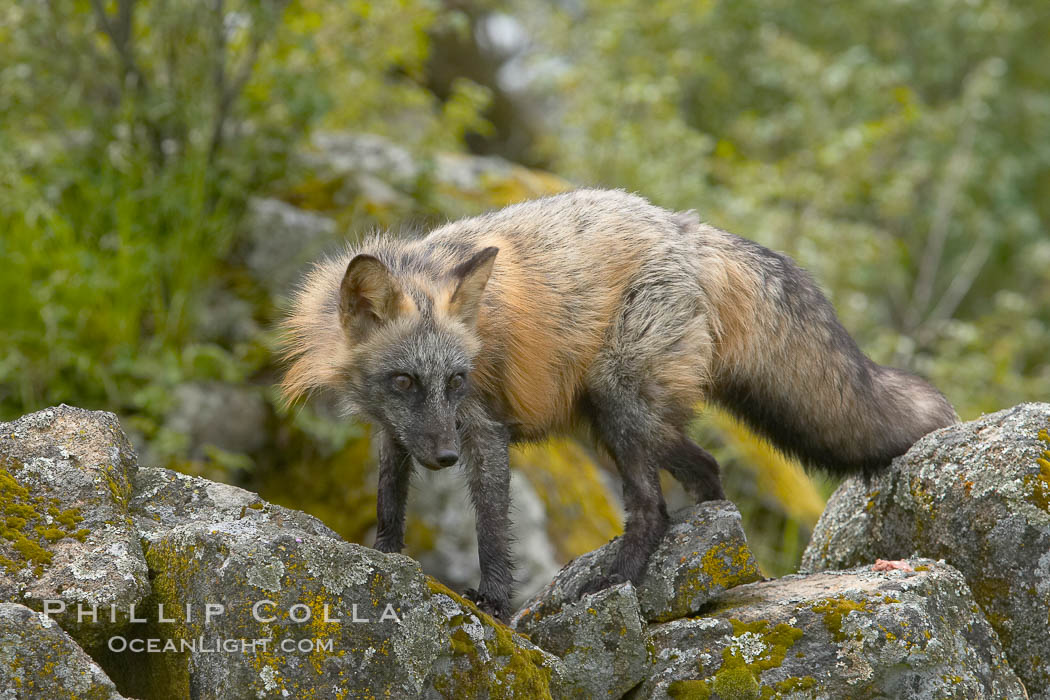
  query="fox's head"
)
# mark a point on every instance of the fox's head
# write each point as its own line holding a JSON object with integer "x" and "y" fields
{"x": 412, "y": 344}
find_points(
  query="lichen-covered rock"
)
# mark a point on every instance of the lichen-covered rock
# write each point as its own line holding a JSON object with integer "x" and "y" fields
{"x": 363, "y": 167}
{"x": 844, "y": 634}
{"x": 281, "y": 240}
{"x": 65, "y": 533}
{"x": 978, "y": 496}
{"x": 312, "y": 616}
{"x": 603, "y": 641}
{"x": 703, "y": 553}
{"x": 487, "y": 659}
{"x": 163, "y": 500}
{"x": 39, "y": 660}
{"x": 234, "y": 418}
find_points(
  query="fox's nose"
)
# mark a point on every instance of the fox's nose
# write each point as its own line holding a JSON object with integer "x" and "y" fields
{"x": 447, "y": 458}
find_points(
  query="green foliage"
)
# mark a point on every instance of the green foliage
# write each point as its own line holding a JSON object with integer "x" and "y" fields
{"x": 134, "y": 133}
{"x": 900, "y": 151}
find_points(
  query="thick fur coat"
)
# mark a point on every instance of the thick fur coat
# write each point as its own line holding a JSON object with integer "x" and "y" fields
{"x": 590, "y": 307}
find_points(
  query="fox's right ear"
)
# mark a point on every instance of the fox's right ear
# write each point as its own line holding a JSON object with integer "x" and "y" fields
{"x": 369, "y": 296}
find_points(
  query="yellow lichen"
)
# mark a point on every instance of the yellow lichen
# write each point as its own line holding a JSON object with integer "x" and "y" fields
{"x": 728, "y": 565}
{"x": 1038, "y": 484}
{"x": 30, "y": 524}
{"x": 836, "y": 610}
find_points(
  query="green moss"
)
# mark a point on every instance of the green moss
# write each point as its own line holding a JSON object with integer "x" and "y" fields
{"x": 991, "y": 593}
{"x": 835, "y": 610}
{"x": 506, "y": 671}
{"x": 169, "y": 673}
{"x": 739, "y": 678}
{"x": 462, "y": 644}
{"x": 734, "y": 679}
{"x": 690, "y": 690}
{"x": 795, "y": 684}
{"x": 51, "y": 534}
{"x": 777, "y": 641}
{"x": 922, "y": 567}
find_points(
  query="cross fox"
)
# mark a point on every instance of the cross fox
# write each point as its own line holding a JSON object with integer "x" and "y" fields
{"x": 596, "y": 308}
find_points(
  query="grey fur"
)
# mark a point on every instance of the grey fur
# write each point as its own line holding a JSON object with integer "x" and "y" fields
{"x": 591, "y": 306}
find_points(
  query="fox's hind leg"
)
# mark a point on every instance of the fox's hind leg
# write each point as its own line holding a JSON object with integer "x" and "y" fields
{"x": 695, "y": 469}
{"x": 633, "y": 434}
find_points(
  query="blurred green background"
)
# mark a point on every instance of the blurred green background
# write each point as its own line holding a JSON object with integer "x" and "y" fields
{"x": 169, "y": 167}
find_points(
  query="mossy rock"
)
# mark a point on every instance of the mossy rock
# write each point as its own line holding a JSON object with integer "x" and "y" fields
{"x": 974, "y": 494}
{"x": 703, "y": 553}
{"x": 837, "y": 635}
{"x": 39, "y": 660}
{"x": 65, "y": 531}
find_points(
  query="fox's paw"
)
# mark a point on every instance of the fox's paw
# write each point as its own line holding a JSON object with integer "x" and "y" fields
{"x": 387, "y": 546}
{"x": 600, "y": 583}
{"x": 499, "y": 609}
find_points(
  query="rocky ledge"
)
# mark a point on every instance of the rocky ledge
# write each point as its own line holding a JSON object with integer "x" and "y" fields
{"x": 118, "y": 580}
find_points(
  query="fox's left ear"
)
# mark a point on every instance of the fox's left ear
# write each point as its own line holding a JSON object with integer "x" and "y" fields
{"x": 473, "y": 275}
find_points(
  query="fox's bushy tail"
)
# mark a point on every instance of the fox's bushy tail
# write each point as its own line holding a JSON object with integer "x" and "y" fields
{"x": 786, "y": 366}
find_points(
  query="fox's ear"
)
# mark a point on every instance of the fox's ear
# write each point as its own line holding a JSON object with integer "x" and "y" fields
{"x": 368, "y": 297}
{"x": 473, "y": 275}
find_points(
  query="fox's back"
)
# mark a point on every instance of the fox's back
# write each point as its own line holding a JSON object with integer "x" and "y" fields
{"x": 565, "y": 267}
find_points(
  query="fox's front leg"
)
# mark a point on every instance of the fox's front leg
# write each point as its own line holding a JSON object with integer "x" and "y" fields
{"x": 395, "y": 472}
{"x": 488, "y": 474}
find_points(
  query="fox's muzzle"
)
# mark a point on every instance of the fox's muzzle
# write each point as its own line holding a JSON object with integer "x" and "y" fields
{"x": 441, "y": 450}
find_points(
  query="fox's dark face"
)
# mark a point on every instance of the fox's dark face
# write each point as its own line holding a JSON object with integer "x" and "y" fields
{"x": 414, "y": 390}
{"x": 414, "y": 353}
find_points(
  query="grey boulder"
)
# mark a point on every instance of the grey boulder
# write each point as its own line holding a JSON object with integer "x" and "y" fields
{"x": 977, "y": 495}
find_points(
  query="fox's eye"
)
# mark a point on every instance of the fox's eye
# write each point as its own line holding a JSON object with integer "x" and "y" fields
{"x": 402, "y": 382}
{"x": 455, "y": 382}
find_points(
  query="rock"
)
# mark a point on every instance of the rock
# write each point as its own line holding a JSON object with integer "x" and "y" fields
{"x": 977, "y": 495}
{"x": 703, "y": 553}
{"x": 311, "y": 616}
{"x": 226, "y": 319}
{"x": 602, "y": 640}
{"x": 250, "y": 599}
{"x": 844, "y": 634}
{"x": 348, "y": 153}
{"x": 281, "y": 241}
{"x": 163, "y": 500}
{"x": 356, "y": 170}
{"x": 66, "y": 534}
{"x": 494, "y": 179}
{"x": 488, "y": 660}
{"x": 233, "y": 418}
{"x": 39, "y": 660}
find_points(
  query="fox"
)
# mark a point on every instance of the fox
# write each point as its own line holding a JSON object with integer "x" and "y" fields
{"x": 590, "y": 309}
